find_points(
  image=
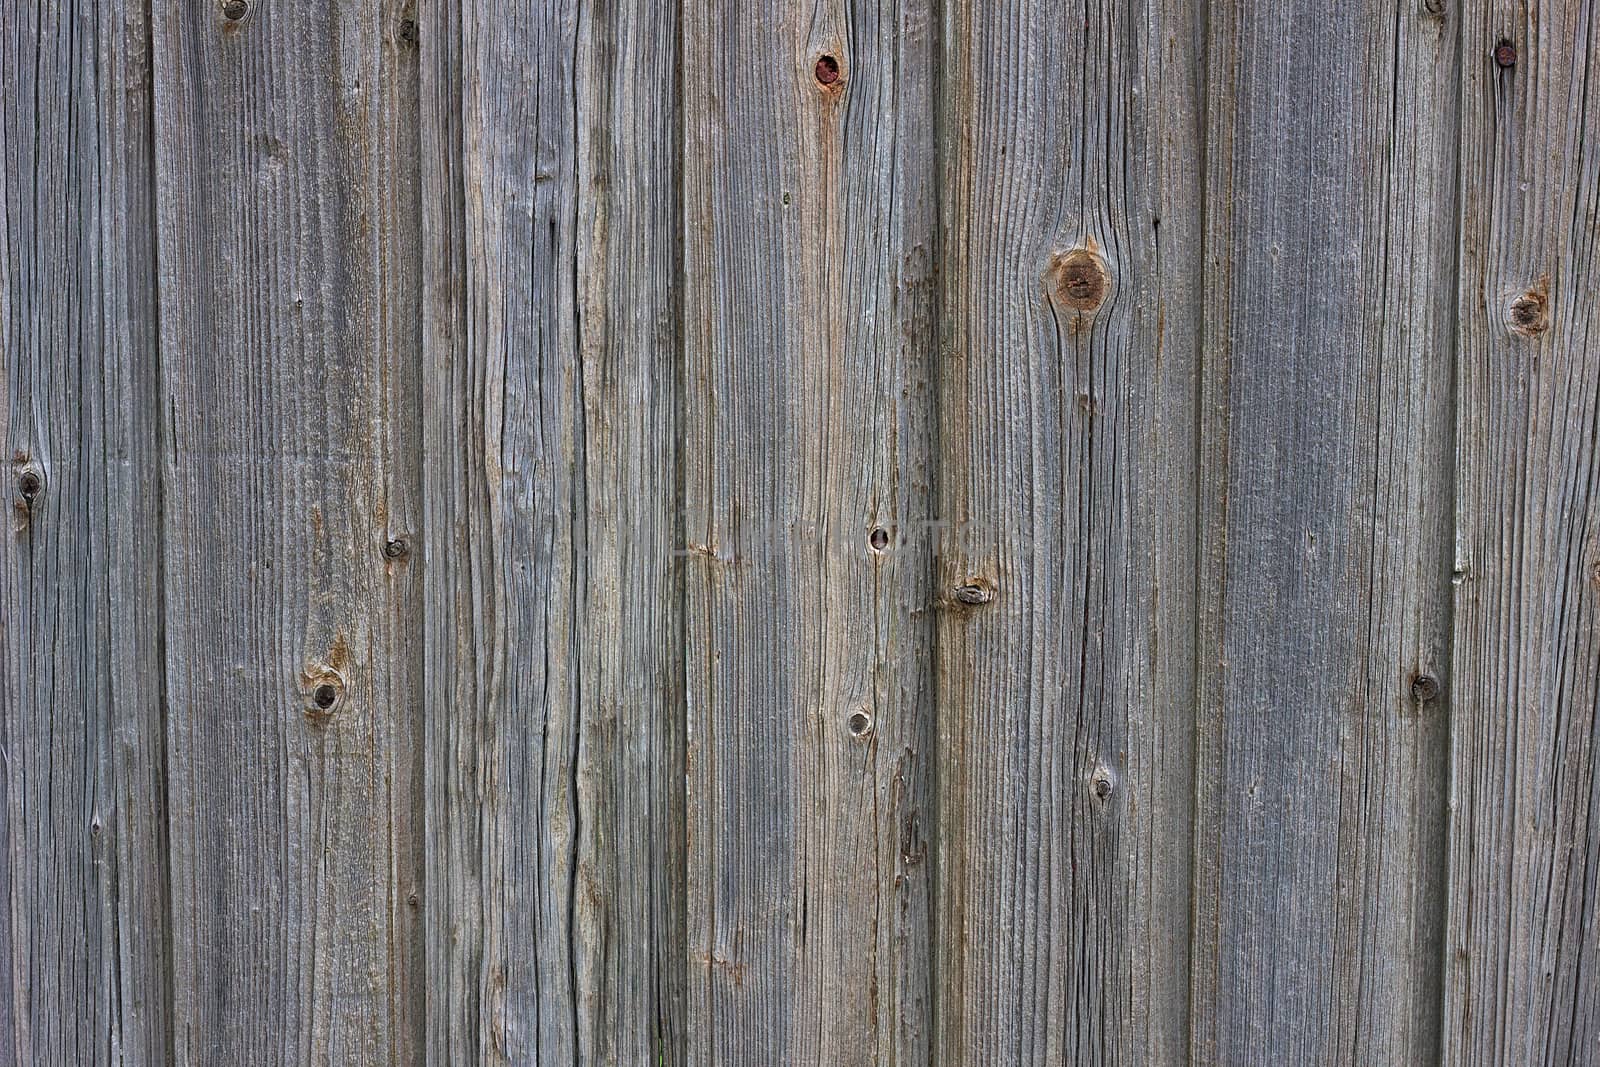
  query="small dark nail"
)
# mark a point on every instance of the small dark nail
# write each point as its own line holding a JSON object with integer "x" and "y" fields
{"x": 30, "y": 485}
{"x": 395, "y": 549}
{"x": 827, "y": 70}
{"x": 859, "y": 724}
{"x": 1505, "y": 54}
{"x": 1424, "y": 687}
{"x": 974, "y": 591}
{"x": 878, "y": 539}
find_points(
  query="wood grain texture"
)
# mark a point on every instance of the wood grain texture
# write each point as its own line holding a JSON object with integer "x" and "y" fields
{"x": 285, "y": 210}
{"x": 1068, "y": 371}
{"x": 83, "y": 933}
{"x": 1521, "y": 962}
{"x": 629, "y": 913}
{"x": 1326, "y": 451}
{"x": 892, "y": 532}
{"x": 553, "y": 664}
{"x": 808, "y": 294}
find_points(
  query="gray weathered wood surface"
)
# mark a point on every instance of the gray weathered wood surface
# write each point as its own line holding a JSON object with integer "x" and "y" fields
{"x": 902, "y": 532}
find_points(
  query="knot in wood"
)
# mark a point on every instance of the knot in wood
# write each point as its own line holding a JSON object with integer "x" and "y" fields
{"x": 1526, "y": 315}
{"x": 859, "y": 724}
{"x": 324, "y": 689}
{"x": 1424, "y": 687}
{"x": 30, "y": 483}
{"x": 1102, "y": 783}
{"x": 395, "y": 549}
{"x": 878, "y": 539}
{"x": 974, "y": 591}
{"x": 235, "y": 10}
{"x": 827, "y": 71}
{"x": 1081, "y": 279}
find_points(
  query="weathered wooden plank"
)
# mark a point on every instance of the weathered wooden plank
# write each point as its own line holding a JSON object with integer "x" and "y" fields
{"x": 287, "y": 368}
{"x": 1524, "y": 841}
{"x": 1067, "y": 415}
{"x": 554, "y": 739}
{"x": 82, "y": 858}
{"x": 808, "y": 291}
{"x": 1326, "y": 448}
{"x": 630, "y": 910}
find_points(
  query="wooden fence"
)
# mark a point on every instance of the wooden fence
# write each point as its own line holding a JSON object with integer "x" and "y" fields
{"x": 900, "y": 531}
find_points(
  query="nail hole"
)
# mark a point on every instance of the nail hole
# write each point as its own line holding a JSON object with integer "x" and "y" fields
{"x": 30, "y": 484}
{"x": 235, "y": 10}
{"x": 859, "y": 724}
{"x": 1505, "y": 54}
{"x": 1424, "y": 687}
{"x": 324, "y": 695}
{"x": 878, "y": 539}
{"x": 395, "y": 549}
{"x": 827, "y": 70}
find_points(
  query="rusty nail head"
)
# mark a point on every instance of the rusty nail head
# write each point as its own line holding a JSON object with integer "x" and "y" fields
{"x": 1505, "y": 54}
